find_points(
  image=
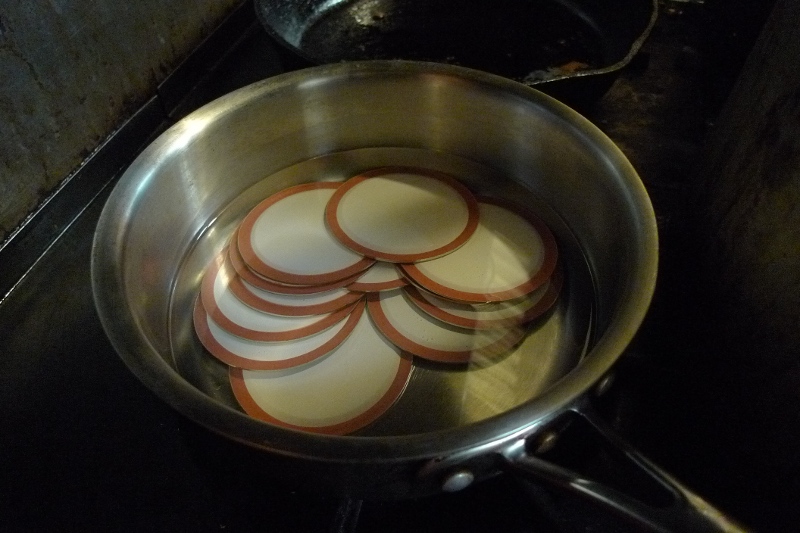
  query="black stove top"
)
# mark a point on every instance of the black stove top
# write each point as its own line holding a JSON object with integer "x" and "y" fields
{"x": 85, "y": 447}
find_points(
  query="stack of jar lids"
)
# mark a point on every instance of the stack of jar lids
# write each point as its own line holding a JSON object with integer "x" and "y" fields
{"x": 327, "y": 291}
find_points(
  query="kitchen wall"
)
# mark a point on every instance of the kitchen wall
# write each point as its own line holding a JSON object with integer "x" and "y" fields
{"x": 71, "y": 71}
{"x": 748, "y": 205}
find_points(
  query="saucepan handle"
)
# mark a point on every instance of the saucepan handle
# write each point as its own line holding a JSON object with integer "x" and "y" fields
{"x": 684, "y": 510}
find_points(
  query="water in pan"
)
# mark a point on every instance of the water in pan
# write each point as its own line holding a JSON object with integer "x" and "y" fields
{"x": 437, "y": 395}
{"x": 525, "y": 40}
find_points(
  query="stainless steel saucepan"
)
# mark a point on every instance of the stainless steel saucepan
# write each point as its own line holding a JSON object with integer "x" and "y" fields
{"x": 176, "y": 205}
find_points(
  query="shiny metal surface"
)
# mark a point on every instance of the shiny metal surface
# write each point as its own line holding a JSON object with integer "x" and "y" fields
{"x": 604, "y": 384}
{"x": 174, "y": 205}
{"x": 546, "y": 441}
{"x": 459, "y": 480}
{"x": 674, "y": 508}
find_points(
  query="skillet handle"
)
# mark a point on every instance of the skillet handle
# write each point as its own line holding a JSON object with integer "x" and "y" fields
{"x": 685, "y": 511}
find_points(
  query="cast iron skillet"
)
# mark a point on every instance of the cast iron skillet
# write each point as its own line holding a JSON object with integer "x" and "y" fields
{"x": 176, "y": 205}
{"x": 570, "y": 49}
